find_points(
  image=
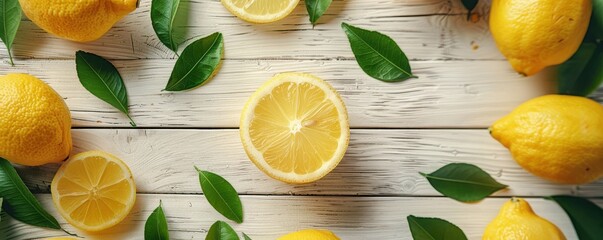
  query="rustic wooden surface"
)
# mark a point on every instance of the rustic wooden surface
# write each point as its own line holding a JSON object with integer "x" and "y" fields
{"x": 400, "y": 129}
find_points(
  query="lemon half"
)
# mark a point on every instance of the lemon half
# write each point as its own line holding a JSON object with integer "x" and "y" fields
{"x": 260, "y": 11}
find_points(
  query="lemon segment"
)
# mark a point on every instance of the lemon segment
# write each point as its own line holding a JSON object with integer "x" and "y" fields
{"x": 93, "y": 191}
{"x": 295, "y": 128}
{"x": 260, "y": 11}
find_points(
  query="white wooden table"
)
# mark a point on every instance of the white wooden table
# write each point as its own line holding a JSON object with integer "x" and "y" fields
{"x": 399, "y": 129}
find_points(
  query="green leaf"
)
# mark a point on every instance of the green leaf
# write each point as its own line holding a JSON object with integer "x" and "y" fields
{"x": 198, "y": 62}
{"x": 378, "y": 55}
{"x": 463, "y": 182}
{"x": 102, "y": 79}
{"x": 244, "y": 235}
{"x": 18, "y": 202}
{"x": 10, "y": 14}
{"x": 434, "y": 229}
{"x": 221, "y": 195}
{"x": 156, "y": 227}
{"x": 221, "y": 231}
{"x": 597, "y": 19}
{"x": 163, "y": 16}
{"x": 470, "y": 5}
{"x": 316, "y": 8}
{"x": 582, "y": 73}
{"x": 586, "y": 216}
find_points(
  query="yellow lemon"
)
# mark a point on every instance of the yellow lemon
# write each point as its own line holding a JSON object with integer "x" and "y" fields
{"x": 77, "y": 20}
{"x": 93, "y": 191}
{"x": 534, "y": 34}
{"x": 517, "y": 220}
{"x": 556, "y": 137}
{"x": 35, "y": 124}
{"x": 295, "y": 128}
{"x": 310, "y": 234}
{"x": 260, "y": 11}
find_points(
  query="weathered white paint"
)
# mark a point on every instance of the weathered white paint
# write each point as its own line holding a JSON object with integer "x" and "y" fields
{"x": 267, "y": 217}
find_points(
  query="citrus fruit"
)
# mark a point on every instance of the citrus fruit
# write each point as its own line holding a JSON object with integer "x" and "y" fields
{"x": 534, "y": 34}
{"x": 35, "y": 124}
{"x": 93, "y": 191}
{"x": 556, "y": 137}
{"x": 517, "y": 220}
{"x": 260, "y": 11}
{"x": 77, "y": 20}
{"x": 310, "y": 234}
{"x": 295, "y": 128}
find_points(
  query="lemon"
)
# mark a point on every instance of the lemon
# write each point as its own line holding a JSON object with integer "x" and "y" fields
{"x": 517, "y": 220}
{"x": 77, "y": 20}
{"x": 295, "y": 128}
{"x": 93, "y": 191}
{"x": 35, "y": 124}
{"x": 556, "y": 137}
{"x": 310, "y": 234}
{"x": 260, "y": 11}
{"x": 534, "y": 34}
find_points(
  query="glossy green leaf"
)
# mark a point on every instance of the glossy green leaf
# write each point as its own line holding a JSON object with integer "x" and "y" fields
{"x": 102, "y": 79}
{"x": 221, "y": 195}
{"x": 156, "y": 227}
{"x": 582, "y": 74}
{"x": 18, "y": 202}
{"x": 163, "y": 17}
{"x": 586, "y": 216}
{"x": 596, "y": 26}
{"x": 463, "y": 182}
{"x": 434, "y": 229}
{"x": 378, "y": 55}
{"x": 244, "y": 235}
{"x": 221, "y": 231}
{"x": 470, "y": 5}
{"x": 198, "y": 62}
{"x": 10, "y": 14}
{"x": 316, "y": 8}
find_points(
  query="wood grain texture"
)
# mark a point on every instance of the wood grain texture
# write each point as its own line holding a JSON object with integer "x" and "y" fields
{"x": 266, "y": 218}
{"x": 425, "y": 29}
{"x": 378, "y": 162}
{"x": 447, "y": 94}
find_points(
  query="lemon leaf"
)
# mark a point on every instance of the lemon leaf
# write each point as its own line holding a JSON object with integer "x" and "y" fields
{"x": 198, "y": 62}
{"x": 18, "y": 202}
{"x": 316, "y": 8}
{"x": 582, "y": 73}
{"x": 434, "y": 229}
{"x": 221, "y": 195}
{"x": 470, "y": 5}
{"x": 10, "y": 14}
{"x": 163, "y": 17}
{"x": 596, "y": 27}
{"x": 463, "y": 182}
{"x": 244, "y": 235}
{"x": 586, "y": 216}
{"x": 156, "y": 227}
{"x": 102, "y": 79}
{"x": 221, "y": 231}
{"x": 378, "y": 55}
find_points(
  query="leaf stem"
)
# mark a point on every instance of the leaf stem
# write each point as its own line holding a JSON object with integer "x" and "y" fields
{"x": 10, "y": 57}
{"x": 70, "y": 234}
{"x": 131, "y": 120}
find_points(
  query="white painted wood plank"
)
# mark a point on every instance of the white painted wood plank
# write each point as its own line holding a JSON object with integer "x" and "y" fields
{"x": 447, "y": 93}
{"x": 266, "y": 218}
{"x": 378, "y": 162}
{"x": 425, "y": 29}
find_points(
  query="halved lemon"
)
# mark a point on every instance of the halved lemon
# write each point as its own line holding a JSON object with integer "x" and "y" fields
{"x": 260, "y": 11}
{"x": 295, "y": 128}
{"x": 93, "y": 191}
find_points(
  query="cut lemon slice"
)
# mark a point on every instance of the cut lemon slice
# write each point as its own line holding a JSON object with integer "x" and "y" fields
{"x": 93, "y": 191}
{"x": 260, "y": 11}
{"x": 295, "y": 128}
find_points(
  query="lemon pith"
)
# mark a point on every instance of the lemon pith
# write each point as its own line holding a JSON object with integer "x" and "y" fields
{"x": 295, "y": 128}
{"x": 35, "y": 124}
{"x": 310, "y": 234}
{"x": 260, "y": 11}
{"x": 93, "y": 191}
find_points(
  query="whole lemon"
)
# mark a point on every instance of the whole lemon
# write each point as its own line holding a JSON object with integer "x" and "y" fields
{"x": 35, "y": 124}
{"x": 310, "y": 234}
{"x": 556, "y": 137}
{"x": 534, "y": 34}
{"x": 77, "y": 20}
{"x": 517, "y": 220}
